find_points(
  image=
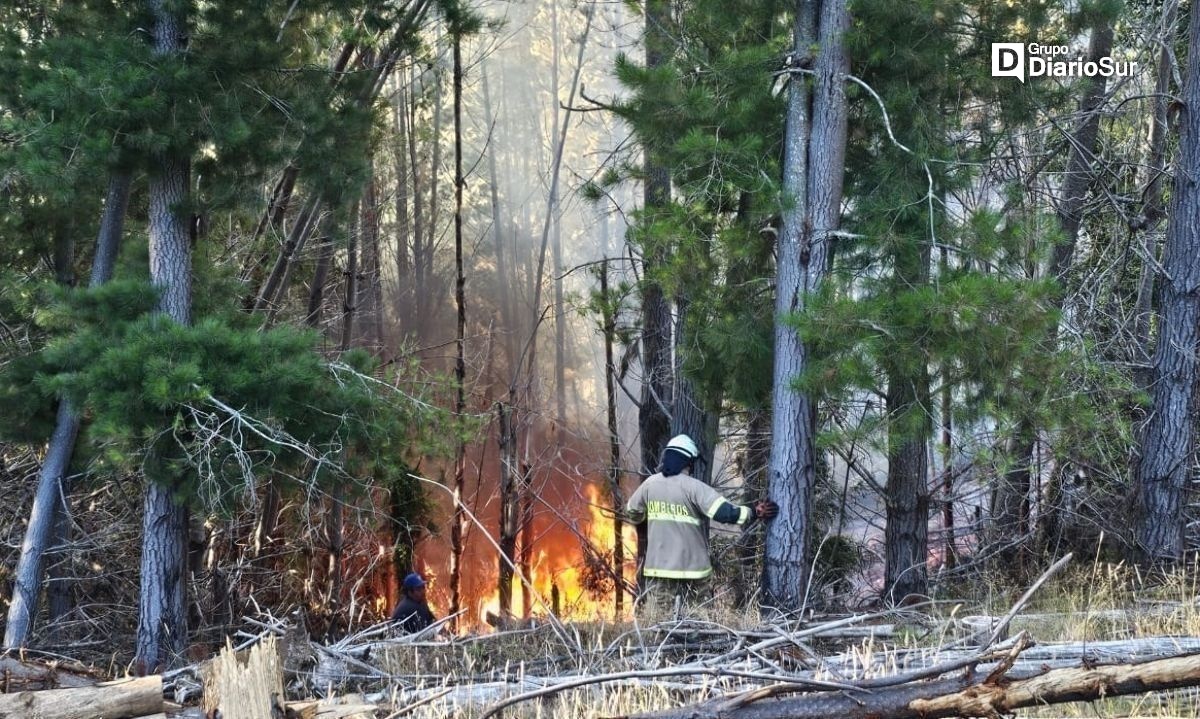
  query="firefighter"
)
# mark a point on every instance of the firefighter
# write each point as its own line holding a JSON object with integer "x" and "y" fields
{"x": 674, "y": 506}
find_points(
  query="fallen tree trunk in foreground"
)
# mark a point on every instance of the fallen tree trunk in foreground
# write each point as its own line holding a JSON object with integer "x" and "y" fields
{"x": 111, "y": 700}
{"x": 16, "y": 675}
{"x": 974, "y": 695}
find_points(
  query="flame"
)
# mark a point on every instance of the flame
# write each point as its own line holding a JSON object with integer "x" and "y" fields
{"x": 562, "y": 567}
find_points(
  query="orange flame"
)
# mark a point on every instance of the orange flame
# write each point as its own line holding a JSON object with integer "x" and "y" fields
{"x": 584, "y": 590}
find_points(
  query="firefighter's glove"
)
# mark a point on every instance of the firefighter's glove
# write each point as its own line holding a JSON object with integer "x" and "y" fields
{"x": 765, "y": 509}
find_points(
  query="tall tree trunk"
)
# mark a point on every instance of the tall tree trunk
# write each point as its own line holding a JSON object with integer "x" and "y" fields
{"x": 503, "y": 274}
{"x": 1164, "y": 466}
{"x": 370, "y": 302}
{"x": 560, "y": 330}
{"x": 509, "y": 504}
{"x": 949, "y": 550}
{"x": 690, "y": 414}
{"x": 273, "y": 288}
{"x": 814, "y": 155}
{"x": 655, "y": 399}
{"x": 1152, "y": 208}
{"x": 427, "y": 311}
{"x": 616, "y": 496}
{"x": 906, "y": 535}
{"x": 48, "y": 508}
{"x": 403, "y": 218}
{"x": 460, "y": 365}
{"x": 556, "y": 165}
{"x": 162, "y": 615}
{"x": 654, "y": 423}
{"x": 419, "y": 290}
{"x": 335, "y": 516}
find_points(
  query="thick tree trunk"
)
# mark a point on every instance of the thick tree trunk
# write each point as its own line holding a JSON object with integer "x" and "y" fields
{"x": 1164, "y": 467}
{"x": 654, "y": 423}
{"x": 814, "y": 154}
{"x": 162, "y": 615}
{"x": 656, "y": 400}
{"x": 1152, "y": 209}
{"x": 121, "y": 699}
{"x": 906, "y": 535}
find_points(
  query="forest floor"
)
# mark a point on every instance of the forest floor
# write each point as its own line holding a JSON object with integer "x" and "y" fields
{"x": 713, "y": 661}
{"x": 1088, "y": 616}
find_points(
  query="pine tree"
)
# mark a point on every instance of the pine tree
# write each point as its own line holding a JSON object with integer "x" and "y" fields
{"x": 1162, "y": 469}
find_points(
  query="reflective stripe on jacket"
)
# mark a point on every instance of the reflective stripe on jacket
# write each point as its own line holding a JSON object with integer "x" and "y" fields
{"x": 674, "y": 509}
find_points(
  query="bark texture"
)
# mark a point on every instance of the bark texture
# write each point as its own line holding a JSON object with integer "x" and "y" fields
{"x": 814, "y": 154}
{"x": 122, "y": 699}
{"x": 654, "y": 423}
{"x": 162, "y": 616}
{"x": 1166, "y": 447}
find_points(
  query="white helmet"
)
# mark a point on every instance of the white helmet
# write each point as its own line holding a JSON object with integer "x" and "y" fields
{"x": 684, "y": 445}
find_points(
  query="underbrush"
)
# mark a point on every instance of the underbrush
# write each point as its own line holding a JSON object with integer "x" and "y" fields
{"x": 1089, "y": 603}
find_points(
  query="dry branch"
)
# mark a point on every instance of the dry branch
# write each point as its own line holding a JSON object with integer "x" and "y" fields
{"x": 968, "y": 695}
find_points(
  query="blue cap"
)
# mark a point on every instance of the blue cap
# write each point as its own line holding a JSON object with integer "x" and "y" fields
{"x": 413, "y": 581}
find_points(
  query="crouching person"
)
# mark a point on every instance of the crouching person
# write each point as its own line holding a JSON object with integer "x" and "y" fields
{"x": 412, "y": 614}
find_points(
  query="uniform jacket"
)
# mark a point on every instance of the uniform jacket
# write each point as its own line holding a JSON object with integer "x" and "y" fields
{"x": 675, "y": 509}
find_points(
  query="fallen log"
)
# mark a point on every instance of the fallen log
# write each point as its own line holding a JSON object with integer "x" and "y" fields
{"x": 970, "y": 695}
{"x": 16, "y": 675}
{"x": 121, "y": 699}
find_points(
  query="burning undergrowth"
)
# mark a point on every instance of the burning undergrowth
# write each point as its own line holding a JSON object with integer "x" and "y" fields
{"x": 566, "y": 545}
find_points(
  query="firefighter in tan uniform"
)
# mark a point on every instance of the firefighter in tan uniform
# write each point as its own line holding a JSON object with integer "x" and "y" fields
{"x": 674, "y": 506}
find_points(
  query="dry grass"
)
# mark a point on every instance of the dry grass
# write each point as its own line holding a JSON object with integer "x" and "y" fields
{"x": 1093, "y": 602}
